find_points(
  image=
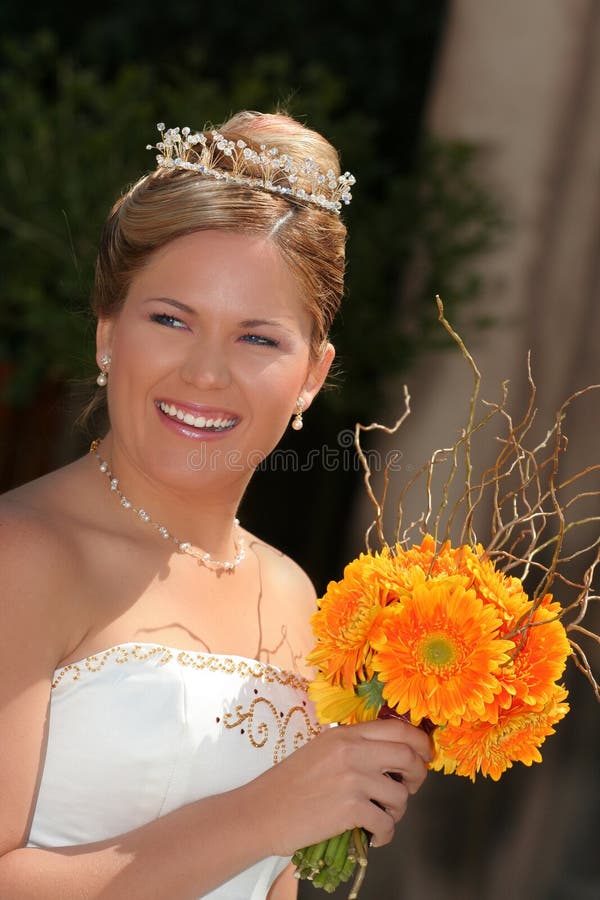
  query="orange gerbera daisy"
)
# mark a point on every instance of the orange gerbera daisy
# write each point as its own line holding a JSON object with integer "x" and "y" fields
{"x": 339, "y": 704}
{"x": 542, "y": 658}
{"x": 404, "y": 565}
{"x": 504, "y": 591}
{"x": 345, "y": 619}
{"x": 491, "y": 749}
{"x": 438, "y": 653}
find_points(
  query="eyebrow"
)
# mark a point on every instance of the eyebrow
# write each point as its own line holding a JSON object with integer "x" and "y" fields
{"x": 246, "y": 323}
{"x": 257, "y": 323}
{"x": 176, "y": 303}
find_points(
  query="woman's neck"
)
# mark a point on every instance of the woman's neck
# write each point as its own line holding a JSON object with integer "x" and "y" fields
{"x": 200, "y": 514}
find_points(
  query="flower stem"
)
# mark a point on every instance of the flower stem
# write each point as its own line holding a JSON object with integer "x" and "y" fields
{"x": 341, "y": 856}
{"x": 314, "y": 857}
{"x": 359, "y": 839}
{"x": 332, "y": 848}
{"x": 332, "y": 862}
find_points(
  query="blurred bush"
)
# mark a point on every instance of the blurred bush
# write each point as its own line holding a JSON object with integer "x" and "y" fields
{"x": 77, "y": 120}
{"x": 76, "y": 137}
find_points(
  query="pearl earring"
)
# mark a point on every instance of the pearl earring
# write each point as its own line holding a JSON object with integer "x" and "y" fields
{"x": 102, "y": 378}
{"x": 297, "y": 422}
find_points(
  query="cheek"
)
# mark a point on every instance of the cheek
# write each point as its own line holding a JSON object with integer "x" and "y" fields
{"x": 136, "y": 362}
{"x": 278, "y": 385}
{"x": 274, "y": 402}
{"x": 139, "y": 353}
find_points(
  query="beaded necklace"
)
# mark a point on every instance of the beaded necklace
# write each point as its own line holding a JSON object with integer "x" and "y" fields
{"x": 202, "y": 557}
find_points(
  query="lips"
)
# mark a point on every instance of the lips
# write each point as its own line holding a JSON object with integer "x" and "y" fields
{"x": 206, "y": 419}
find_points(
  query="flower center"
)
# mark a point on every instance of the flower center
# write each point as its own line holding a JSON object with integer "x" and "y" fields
{"x": 437, "y": 651}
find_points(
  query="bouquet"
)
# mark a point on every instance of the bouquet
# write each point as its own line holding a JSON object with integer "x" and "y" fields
{"x": 464, "y": 639}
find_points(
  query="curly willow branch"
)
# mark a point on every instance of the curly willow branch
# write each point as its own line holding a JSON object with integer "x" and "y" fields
{"x": 531, "y": 507}
{"x": 379, "y": 506}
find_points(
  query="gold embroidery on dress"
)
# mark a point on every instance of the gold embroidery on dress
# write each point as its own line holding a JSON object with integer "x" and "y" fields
{"x": 260, "y": 726}
{"x": 123, "y": 654}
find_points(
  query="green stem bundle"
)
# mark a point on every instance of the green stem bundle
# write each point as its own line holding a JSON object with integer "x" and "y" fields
{"x": 333, "y": 862}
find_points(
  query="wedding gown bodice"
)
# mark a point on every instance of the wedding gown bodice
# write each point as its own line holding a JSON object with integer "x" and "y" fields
{"x": 139, "y": 730}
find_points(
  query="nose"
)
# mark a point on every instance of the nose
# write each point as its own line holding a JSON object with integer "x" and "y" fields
{"x": 206, "y": 366}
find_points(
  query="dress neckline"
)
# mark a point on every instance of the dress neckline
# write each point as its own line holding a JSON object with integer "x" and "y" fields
{"x": 176, "y": 651}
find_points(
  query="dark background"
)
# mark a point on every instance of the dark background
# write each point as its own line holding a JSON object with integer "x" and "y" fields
{"x": 80, "y": 94}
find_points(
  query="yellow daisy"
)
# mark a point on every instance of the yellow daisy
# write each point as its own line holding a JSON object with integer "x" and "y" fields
{"x": 339, "y": 704}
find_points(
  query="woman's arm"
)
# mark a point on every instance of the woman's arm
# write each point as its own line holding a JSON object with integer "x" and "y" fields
{"x": 322, "y": 789}
{"x": 181, "y": 855}
{"x": 285, "y": 887}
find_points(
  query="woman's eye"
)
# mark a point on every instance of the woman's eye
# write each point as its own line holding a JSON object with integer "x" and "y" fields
{"x": 166, "y": 319}
{"x": 260, "y": 340}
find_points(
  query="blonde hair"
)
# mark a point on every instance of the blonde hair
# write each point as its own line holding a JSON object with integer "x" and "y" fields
{"x": 167, "y": 204}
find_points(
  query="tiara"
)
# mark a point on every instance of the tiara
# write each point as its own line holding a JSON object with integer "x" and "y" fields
{"x": 212, "y": 154}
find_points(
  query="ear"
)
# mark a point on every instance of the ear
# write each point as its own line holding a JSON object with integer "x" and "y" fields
{"x": 317, "y": 374}
{"x": 104, "y": 334}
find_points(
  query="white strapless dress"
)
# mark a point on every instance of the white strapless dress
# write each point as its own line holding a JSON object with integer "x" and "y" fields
{"x": 141, "y": 729}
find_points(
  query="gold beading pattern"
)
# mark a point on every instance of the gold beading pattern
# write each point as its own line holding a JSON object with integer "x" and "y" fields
{"x": 259, "y": 729}
{"x": 122, "y": 654}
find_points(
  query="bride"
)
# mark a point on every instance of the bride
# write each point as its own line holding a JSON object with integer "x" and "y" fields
{"x": 157, "y": 740}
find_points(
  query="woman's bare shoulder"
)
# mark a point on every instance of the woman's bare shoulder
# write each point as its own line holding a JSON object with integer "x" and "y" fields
{"x": 33, "y": 526}
{"x": 40, "y": 562}
{"x": 283, "y": 570}
{"x": 292, "y": 598}
{"x": 37, "y": 566}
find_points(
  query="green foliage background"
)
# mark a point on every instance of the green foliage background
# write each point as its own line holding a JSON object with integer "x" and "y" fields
{"x": 79, "y": 103}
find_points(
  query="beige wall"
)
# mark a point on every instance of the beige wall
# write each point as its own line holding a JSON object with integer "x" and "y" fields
{"x": 521, "y": 79}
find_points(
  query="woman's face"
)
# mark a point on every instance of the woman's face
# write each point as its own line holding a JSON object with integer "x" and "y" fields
{"x": 209, "y": 354}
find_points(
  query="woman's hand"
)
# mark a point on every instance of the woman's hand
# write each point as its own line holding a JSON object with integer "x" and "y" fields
{"x": 339, "y": 781}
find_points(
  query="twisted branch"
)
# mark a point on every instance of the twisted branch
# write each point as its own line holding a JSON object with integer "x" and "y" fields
{"x": 532, "y": 506}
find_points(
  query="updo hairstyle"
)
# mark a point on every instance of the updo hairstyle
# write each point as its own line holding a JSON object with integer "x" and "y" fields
{"x": 170, "y": 203}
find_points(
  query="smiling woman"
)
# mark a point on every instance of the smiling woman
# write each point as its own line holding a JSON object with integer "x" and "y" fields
{"x": 153, "y": 666}
{"x": 217, "y": 324}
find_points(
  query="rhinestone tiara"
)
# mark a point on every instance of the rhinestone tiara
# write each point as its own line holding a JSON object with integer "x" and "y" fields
{"x": 210, "y": 153}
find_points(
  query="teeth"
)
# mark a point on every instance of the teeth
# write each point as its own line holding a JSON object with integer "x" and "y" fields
{"x": 199, "y": 422}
